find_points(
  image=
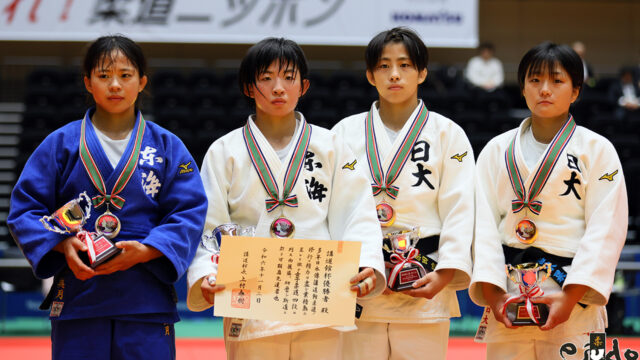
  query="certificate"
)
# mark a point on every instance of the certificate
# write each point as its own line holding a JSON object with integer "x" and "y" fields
{"x": 291, "y": 280}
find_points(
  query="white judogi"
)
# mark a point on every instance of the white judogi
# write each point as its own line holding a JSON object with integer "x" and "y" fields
{"x": 343, "y": 211}
{"x": 444, "y": 206}
{"x": 583, "y": 216}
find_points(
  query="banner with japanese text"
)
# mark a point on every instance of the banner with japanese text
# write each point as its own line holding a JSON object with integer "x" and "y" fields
{"x": 441, "y": 23}
{"x": 291, "y": 280}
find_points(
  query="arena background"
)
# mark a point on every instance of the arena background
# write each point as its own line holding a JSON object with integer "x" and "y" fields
{"x": 193, "y": 92}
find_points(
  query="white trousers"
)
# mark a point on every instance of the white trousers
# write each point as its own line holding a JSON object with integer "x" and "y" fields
{"x": 317, "y": 344}
{"x": 394, "y": 341}
{"x": 536, "y": 349}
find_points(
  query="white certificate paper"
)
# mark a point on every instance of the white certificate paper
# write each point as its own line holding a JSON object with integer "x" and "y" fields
{"x": 291, "y": 280}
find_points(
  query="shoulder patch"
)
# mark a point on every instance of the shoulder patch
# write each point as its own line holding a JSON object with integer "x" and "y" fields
{"x": 609, "y": 176}
{"x": 185, "y": 169}
{"x": 459, "y": 157}
{"x": 350, "y": 166}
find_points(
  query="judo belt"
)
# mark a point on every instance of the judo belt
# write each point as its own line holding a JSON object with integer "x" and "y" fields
{"x": 46, "y": 303}
{"x": 425, "y": 246}
{"x": 536, "y": 255}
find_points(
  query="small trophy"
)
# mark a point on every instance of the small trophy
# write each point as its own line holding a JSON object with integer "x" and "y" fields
{"x": 212, "y": 242}
{"x": 405, "y": 269}
{"x": 519, "y": 308}
{"x": 70, "y": 218}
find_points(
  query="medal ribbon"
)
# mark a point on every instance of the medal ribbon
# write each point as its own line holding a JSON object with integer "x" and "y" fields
{"x": 264, "y": 171}
{"x": 527, "y": 199}
{"x": 95, "y": 175}
{"x": 399, "y": 260}
{"x": 525, "y": 295}
{"x": 380, "y": 182}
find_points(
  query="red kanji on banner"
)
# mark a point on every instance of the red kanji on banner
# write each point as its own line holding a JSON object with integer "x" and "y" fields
{"x": 13, "y": 7}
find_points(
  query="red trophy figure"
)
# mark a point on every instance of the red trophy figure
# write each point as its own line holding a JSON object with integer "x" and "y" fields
{"x": 405, "y": 270}
{"x": 70, "y": 218}
{"x": 519, "y": 308}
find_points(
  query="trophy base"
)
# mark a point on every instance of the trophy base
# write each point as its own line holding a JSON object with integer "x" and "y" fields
{"x": 99, "y": 249}
{"x": 406, "y": 277}
{"x": 105, "y": 249}
{"x": 518, "y": 315}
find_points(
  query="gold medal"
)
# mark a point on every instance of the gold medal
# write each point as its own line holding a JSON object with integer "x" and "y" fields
{"x": 282, "y": 228}
{"x": 526, "y": 231}
{"x": 108, "y": 225}
{"x": 386, "y": 214}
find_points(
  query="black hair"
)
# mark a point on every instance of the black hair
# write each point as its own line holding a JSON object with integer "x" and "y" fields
{"x": 261, "y": 55}
{"x": 627, "y": 70}
{"x": 486, "y": 46}
{"x": 417, "y": 50}
{"x": 100, "y": 53}
{"x": 544, "y": 58}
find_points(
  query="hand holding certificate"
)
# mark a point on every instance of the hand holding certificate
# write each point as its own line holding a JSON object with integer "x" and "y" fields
{"x": 292, "y": 280}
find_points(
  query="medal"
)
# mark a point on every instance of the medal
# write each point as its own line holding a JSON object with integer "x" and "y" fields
{"x": 282, "y": 228}
{"x": 382, "y": 183}
{"x": 108, "y": 225}
{"x": 526, "y": 231}
{"x": 386, "y": 214}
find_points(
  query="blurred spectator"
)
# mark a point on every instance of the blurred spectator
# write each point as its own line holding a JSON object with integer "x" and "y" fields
{"x": 625, "y": 93}
{"x": 636, "y": 71}
{"x": 485, "y": 70}
{"x": 589, "y": 76}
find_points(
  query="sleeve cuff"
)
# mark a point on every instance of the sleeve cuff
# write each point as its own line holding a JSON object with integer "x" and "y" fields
{"x": 461, "y": 277}
{"x": 475, "y": 289}
{"x": 594, "y": 296}
{"x": 195, "y": 300}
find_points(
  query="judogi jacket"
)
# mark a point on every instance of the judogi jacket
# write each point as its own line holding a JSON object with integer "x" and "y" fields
{"x": 164, "y": 207}
{"x": 334, "y": 203}
{"x": 436, "y": 195}
{"x": 583, "y": 216}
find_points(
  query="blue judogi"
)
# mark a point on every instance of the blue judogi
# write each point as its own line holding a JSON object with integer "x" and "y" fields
{"x": 165, "y": 207}
{"x": 112, "y": 339}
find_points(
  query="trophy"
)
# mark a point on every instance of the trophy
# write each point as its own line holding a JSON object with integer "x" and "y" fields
{"x": 405, "y": 269}
{"x": 70, "y": 218}
{"x": 519, "y": 308}
{"x": 212, "y": 242}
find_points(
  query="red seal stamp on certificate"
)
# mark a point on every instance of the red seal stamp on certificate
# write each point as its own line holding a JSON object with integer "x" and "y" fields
{"x": 386, "y": 214}
{"x": 526, "y": 231}
{"x": 241, "y": 298}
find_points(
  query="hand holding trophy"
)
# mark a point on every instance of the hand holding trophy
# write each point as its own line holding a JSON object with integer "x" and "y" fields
{"x": 406, "y": 270}
{"x": 70, "y": 218}
{"x": 519, "y": 308}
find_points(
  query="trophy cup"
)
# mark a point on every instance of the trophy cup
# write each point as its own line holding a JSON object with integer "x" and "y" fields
{"x": 70, "y": 218}
{"x": 405, "y": 269}
{"x": 212, "y": 242}
{"x": 519, "y": 308}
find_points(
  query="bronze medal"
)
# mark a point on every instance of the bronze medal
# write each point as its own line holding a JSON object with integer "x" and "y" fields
{"x": 386, "y": 214}
{"x": 282, "y": 228}
{"x": 526, "y": 231}
{"x": 108, "y": 225}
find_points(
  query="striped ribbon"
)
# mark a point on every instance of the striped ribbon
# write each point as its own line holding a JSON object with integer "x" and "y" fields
{"x": 380, "y": 182}
{"x": 525, "y": 295}
{"x": 96, "y": 177}
{"x": 528, "y": 199}
{"x": 399, "y": 260}
{"x": 264, "y": 171}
